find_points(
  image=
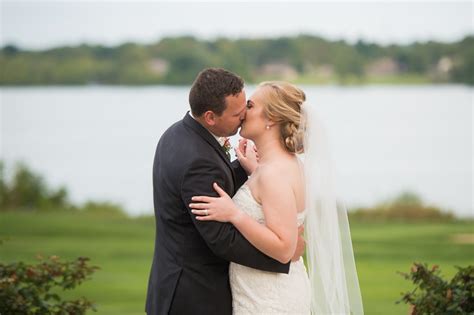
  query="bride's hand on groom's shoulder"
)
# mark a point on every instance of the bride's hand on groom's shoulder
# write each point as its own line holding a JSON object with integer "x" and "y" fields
{"x": 220, "y": 208}
{"x": 247, "y": 155}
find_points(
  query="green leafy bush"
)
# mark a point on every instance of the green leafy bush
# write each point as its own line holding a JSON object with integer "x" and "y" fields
{"x": 32, "y": 289}
{"x": 26, "y": 190}
{"x": 434, "y": 295}
{"x": 106, "y": 209}
{"x": 406, "y": 207}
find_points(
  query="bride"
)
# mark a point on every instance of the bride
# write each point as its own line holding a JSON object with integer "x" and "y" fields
{"x": 282, "y": 194}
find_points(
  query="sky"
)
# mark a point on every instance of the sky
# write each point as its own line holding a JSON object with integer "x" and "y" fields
{"x": 45, "y": 24}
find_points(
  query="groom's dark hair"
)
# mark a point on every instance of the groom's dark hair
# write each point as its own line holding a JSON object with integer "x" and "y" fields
{"x": 210, "y": 89}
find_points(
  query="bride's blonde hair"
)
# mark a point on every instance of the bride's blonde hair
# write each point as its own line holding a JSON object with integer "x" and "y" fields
{"x": 282, "y": 103}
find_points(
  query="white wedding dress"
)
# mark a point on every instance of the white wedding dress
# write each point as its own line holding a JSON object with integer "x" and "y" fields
{"x": 261, "y": 292}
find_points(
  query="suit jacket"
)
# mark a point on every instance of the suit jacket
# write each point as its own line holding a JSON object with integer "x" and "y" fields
{"x": 189, "y": 274}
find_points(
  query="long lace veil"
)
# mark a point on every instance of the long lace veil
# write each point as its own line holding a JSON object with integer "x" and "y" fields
{"x": 330, "y": 258}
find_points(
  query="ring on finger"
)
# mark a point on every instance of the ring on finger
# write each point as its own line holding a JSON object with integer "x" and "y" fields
{"x": 206, "y": 212}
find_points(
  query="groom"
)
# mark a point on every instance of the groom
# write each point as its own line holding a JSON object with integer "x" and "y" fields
{"x": 190, "y": 267}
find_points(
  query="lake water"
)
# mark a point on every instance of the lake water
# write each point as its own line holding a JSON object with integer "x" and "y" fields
{"x": 99, "y": 141}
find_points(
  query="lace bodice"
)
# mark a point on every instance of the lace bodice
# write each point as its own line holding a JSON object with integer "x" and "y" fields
{"x": 261, "y": 292}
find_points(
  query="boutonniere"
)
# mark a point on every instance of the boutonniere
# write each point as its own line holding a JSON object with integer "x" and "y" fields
{"x": 227, "y": 147}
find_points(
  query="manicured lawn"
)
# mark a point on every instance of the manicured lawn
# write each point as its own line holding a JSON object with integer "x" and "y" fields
{"x": 123, "y": 249}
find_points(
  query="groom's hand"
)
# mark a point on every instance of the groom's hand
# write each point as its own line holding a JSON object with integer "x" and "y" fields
{"x": 300, "y": 246}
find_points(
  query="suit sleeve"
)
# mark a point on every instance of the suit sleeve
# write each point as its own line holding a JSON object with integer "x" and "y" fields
{"x": 223, "y": 239}
{"x": 240, "y": 173}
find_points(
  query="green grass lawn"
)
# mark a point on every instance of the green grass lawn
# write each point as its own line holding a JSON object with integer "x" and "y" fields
{"x": 123, "y": 249}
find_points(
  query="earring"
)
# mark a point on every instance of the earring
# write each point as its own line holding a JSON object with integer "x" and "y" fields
{"x": 267, "y": 127}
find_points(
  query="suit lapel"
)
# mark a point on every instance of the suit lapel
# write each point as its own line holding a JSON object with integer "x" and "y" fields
{"x": 206, "y": 135}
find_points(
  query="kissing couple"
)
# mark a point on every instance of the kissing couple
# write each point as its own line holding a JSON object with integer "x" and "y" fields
{"x": 228, "y": 234}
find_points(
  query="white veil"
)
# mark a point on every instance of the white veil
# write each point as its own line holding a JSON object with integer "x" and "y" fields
{"x": 330, "y": 259}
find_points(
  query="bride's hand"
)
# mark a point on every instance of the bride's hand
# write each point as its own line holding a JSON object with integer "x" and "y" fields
{"x": 247, "y": 155}
{"x": 220, "y": 208}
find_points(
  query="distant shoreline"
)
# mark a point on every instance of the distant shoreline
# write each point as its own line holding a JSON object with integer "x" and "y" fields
{"x": 300, "y": 59}
{"x": 375, "y": 81}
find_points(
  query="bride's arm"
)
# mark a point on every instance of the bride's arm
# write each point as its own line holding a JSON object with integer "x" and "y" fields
{"x": 278, "y": 237}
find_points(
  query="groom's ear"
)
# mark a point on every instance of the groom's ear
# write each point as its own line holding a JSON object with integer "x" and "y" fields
{"x": 209, "y": 117}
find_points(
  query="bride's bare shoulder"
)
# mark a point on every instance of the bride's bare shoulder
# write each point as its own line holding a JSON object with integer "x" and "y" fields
{"x": 278, "y": 171}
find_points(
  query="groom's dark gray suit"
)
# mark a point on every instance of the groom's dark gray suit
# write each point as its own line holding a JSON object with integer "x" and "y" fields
{"x": 190, "y": 267}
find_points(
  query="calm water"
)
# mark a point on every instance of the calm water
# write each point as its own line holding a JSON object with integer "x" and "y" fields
{"x": 100, "y": 141}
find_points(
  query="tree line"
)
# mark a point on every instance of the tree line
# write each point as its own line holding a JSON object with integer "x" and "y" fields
{"x": 303, "y": 59}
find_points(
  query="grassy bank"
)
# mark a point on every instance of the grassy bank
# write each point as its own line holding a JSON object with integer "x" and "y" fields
{"x": 123, "y": 249}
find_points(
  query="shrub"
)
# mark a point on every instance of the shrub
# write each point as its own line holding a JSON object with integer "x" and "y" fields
{"x": 31, "y": 289}
{"x": 107, "y": 209}
{"x": 28, "y": 191}
{"x": 405, "y": 207}
{"x": 434, "y": 295}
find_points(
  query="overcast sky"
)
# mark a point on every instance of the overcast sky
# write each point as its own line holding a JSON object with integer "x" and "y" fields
{"x": 44, "y": 24}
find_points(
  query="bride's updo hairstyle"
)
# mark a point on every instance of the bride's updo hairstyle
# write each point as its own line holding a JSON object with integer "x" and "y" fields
{"x": 282, "y": 102}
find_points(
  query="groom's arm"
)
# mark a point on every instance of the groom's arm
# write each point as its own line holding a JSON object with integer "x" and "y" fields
{"x": 240, "y": 174}
{"x": 222, "y": 238}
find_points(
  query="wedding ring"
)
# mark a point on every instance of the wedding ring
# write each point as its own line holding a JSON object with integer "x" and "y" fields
{"x": 207, "y": 212}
